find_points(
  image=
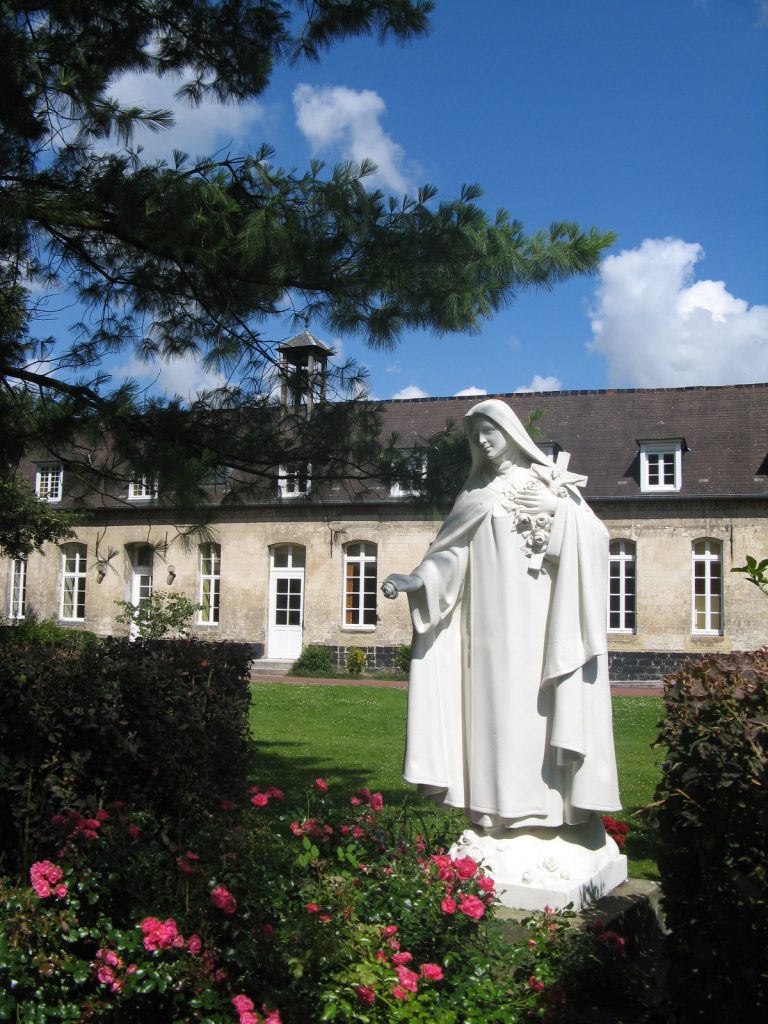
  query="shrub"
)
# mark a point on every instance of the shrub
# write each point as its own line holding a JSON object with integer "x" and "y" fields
{"x": 160, "y": 723}
{"x": 713, "y": 821}
{"x": 161, "y": 613}
{"x": 46, "y": 632}
{"x": 337, "y": 911}
{"x": 403, "y": 658}
{"x": 355, "y": 661}
{"x": 315, "y": 659}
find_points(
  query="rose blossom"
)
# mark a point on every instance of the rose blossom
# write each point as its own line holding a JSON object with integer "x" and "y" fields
{"x": 472, "y": 906}
{"x": 194, "y": 944}
{"x": 399, "y": 993}
{"x": 249, "y": 1018}
{"x": 388, "y": 929}
{"x": 432, "y": 972}
{"x": 242, "y": 1004}
{"x": 402, "y": 958}
{"x": 259, "y": 799}
{"x": 365, "y": 994}
{"x": 465, "y": 867}
{"x": 321, "y": 785}
{"x": 448, "y": 906}
{"x": 407, "y": 978}
{"x": 223, "y": 900}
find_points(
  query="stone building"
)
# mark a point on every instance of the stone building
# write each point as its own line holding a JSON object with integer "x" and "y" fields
{"x": 678, "y": 476}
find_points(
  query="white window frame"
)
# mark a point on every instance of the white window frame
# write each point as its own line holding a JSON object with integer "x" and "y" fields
{"x": 73, "y": 581}
{"x": 141, "y": 488}
{"x": 354, "y": 611}
{"x": 420, "y": 457}
{"x": 702, "y": 563}
{"x": 655, "y": 458}
{"x": 623, "y": 553}
{"x": 294, "y": 480}
{"x": 49, "y": 481}
{"x": 17, "y": 597}
{"x": 209, "y": 595}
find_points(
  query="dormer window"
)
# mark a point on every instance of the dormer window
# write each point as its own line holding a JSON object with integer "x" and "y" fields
{"x": 661, "y": 465}
{"x": 293, "y": 480}
{"x": 48, "y": 482}
{"x": 416, "y": 467}
{"x": 142, "y": 488}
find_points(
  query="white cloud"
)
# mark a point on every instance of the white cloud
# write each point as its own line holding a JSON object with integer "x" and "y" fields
{"x": 183, "y": 376}
{"x": 199, "y": 131}
{"x": 539, "y": 383}
{"x": 412, "y": 391}
{"x": 469, "y": 392}
{"x": 761, "y": 16}
{"x": 657, "y": 327}
{"x": 338, "y": 121}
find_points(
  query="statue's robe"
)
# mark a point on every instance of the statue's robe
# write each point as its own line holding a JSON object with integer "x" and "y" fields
{"x": 509, "y": 713}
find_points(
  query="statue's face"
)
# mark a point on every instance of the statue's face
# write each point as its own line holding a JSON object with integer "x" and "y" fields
{"x": 491, "y": 441}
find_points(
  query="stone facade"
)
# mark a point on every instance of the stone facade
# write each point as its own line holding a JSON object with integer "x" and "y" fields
{"x": 662, "y": 527}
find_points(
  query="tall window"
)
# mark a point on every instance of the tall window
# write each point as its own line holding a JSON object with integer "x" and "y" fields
{"x": 48, "y": 482}
{"x": 210, "y": 584}
{"x": 621, "y": 588}
{"x": 17, "y": 608}
{"x": 707, "y": 587}
{"x": 360, "y": 585}
{"x": 74, "y": 566}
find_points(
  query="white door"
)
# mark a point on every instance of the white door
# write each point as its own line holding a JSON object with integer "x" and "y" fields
{"x": 286, "y": 601}
{"x": 141, "y": 581}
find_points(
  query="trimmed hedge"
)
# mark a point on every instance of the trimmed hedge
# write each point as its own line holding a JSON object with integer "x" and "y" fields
{"x": 713, "y": 821}
{"x": 161, "y": 724}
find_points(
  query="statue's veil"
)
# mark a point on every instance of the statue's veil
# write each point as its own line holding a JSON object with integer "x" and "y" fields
{"x": 523, "y": 451}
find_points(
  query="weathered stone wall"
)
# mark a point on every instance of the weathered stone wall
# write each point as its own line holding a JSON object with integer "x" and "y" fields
{"x": 663, "y": 531}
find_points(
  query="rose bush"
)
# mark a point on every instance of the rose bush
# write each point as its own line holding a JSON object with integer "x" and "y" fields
{"x": 340, "y": 912}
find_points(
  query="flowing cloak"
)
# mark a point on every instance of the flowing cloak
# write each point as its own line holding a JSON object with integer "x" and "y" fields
{"x": 509, "y": 713}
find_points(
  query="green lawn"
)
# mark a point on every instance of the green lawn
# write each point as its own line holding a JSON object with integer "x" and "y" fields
{"x": 354, "y": 736}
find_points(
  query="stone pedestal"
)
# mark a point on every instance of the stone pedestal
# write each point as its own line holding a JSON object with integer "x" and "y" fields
{"x": 536, "y": 868}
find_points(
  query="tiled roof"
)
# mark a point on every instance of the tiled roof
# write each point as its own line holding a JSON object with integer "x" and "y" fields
{"x": 725, "y": 430}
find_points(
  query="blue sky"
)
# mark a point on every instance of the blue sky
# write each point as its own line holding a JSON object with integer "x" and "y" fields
{"x": 648, "y": 119}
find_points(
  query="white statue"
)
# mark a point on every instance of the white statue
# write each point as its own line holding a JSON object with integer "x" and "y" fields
{"x": 509, "y": 713}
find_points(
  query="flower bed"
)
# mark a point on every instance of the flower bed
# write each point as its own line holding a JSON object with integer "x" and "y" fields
{"x": 340, "y": 911}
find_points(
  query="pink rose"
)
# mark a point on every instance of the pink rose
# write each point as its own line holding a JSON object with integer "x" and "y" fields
{"x": 259, "y": 799}
{"x": 105, "y": 975}
{"x": 376, "y": 802}
{"x": 249, "y": 1018}
{"x": 472, "y": 906}
{"x": 223, "y": 900}
{"x": 399, "y": 993}
{"x": 312, "y": 908}
{"x": 401, "y": 958}
{"x": 274, "y": 793}
{"x": 42, "y": 888}
{"x": 432, "y": 972}
{"x": 365, "y": 995}
{"x": 388, "y": 929}
{"x": 407, "y": 978}
{"x": 321, "y": 785}
{"x": 486, "y": 883}
{"x": 448, "y": 906}
{"x": 242, "y": 1004}
{"x": 194, "y": 944}
{"x": 465, "y": 867}
{"x": 273, "y": 1017}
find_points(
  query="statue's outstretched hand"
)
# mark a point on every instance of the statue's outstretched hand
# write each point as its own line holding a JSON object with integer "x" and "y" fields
{"x": 397, "y": 582}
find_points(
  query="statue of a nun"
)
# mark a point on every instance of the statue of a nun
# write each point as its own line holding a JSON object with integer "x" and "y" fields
{"x": 509, "y": 712}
